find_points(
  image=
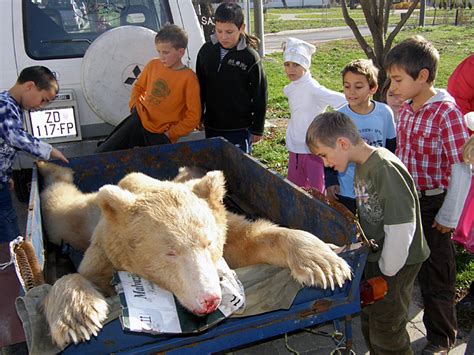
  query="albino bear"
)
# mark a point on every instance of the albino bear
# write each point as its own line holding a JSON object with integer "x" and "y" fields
{"x": 171, "y": 233}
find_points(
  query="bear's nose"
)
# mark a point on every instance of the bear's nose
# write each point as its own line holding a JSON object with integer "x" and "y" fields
{"x": 209, "y": 304}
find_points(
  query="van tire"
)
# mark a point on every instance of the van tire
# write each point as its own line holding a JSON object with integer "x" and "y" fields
{"x": 22, "y": 180}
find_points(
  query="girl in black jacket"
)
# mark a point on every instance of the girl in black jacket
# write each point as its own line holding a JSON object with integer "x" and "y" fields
{"x": 232, "y": 81}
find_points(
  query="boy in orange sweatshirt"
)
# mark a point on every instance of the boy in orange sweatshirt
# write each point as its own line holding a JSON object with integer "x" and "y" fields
{"x": 165, "y": 101}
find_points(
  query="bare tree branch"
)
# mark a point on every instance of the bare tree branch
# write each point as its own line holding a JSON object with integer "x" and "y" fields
{"x": 353, "y": 26}
{"x": 399, "y": 26}
{"x": 377, "y": 13}
{"x": 388, "y": 5}
{"x": 370, "y": 12}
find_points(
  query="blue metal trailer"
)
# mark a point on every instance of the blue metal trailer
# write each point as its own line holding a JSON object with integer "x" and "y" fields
{"x": 258, "y": 192}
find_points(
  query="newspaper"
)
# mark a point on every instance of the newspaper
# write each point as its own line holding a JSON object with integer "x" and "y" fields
{"x": 150, "y": 309}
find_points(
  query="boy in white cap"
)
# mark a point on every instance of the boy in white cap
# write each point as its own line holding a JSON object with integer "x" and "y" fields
{"x": 307, "y": 99}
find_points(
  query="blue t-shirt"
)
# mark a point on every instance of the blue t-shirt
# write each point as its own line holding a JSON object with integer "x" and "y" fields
{"x": 374, "y": 128}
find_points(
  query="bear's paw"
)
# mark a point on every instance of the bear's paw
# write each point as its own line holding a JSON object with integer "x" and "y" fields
{"x": 313, "y": 263}
{"x": 74, "y": 310}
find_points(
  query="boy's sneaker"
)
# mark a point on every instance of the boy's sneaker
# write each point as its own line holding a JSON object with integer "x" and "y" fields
{"x": 431, "y": 349}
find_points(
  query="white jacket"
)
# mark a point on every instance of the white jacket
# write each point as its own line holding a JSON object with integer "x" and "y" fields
{"x": 307, "y": 99}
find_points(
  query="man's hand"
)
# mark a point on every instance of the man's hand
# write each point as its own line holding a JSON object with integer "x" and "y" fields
{"x": 256, "y": 139}
{"x": 56, "y": 154}
{"x": 332, "y": 192}
{"x": 441, "y": 228}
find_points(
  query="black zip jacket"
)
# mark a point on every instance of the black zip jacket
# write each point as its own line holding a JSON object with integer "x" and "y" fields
{"x": 234, "y": 90}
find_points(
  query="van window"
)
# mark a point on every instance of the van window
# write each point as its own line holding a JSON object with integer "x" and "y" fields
{"x": 55, "y": 29}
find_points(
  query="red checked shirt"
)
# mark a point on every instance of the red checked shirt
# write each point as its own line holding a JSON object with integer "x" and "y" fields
{"x": 430, "y": 140}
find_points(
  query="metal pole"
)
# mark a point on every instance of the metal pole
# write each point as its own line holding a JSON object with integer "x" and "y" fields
{"x": 247, "y": 17}
{"x": 258, "y": 23}
{"x": 421, "y": 22}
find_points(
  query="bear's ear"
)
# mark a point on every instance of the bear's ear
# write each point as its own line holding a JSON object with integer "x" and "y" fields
{"x": 112, "y": 200}
{"x": 211, "y": 187}
{"x": 138, "y": 182}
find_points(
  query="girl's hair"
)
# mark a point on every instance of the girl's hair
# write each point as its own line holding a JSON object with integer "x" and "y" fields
{"x": 385, "y": 88}
{"x": 43, "y": 78}
{"x": 230, "y": 12}
{"x": 468, "y": 151}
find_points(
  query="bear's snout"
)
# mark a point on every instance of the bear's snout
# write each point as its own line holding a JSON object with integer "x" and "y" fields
{"x": 209, "y": 304}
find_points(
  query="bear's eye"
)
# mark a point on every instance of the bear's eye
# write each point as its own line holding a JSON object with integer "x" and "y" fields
{"x": 171, "y": 253}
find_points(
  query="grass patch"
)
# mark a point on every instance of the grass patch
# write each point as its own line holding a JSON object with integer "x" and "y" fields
{"x": 464, "y": 268}
{"x": 272, "y": 151}
{"x": 331, "y": 57}
{"x": 276, "y": 20}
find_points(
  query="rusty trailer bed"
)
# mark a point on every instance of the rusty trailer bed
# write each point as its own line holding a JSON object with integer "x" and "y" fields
{"x": 264, "y": 194}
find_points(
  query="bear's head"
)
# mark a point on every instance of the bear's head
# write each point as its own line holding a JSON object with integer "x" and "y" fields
{"x": 170, "y": 233}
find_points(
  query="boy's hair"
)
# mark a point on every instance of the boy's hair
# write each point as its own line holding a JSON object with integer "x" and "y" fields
{"x": 231, "y": 12}
{"x": 174, "y": 35}
{"x": 412, "y": 55}
{"x": 327, "y": 127}
{"x": 363, "y": 67}
{"x": 43, "y": 78}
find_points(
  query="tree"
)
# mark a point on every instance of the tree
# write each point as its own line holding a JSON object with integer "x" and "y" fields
{"x": 376, "y": 13}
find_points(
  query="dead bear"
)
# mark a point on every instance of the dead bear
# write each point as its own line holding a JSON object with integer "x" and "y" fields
{"x": 171, "y": 233}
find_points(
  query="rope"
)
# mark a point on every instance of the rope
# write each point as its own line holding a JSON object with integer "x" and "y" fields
{"x": 12, "y": 245}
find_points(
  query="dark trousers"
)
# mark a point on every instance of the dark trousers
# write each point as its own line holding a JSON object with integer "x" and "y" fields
{"x": 9, "y": 229}
{"x": 131, "y": 133}
{"x": 384, "y": 322}
{"x": 242, "y": 138}
{"x": 437, "y": 278}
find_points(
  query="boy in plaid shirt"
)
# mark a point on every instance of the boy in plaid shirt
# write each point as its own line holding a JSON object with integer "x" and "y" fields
{"x": 35, "y": 88}
{"x": 431, "y": 133}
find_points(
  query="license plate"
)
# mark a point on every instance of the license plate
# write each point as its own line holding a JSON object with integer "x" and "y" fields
{"x": 53, "y": 123}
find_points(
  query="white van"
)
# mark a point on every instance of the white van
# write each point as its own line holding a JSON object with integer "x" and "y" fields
{"x": 96, "y": 49}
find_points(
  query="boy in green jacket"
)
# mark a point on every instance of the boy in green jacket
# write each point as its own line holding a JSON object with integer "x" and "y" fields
{"x": 389, "y": 213}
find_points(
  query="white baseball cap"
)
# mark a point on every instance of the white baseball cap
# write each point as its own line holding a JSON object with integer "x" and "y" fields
{"x": 299, "y": 52}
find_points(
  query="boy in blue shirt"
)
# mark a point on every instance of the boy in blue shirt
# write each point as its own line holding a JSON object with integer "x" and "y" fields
{"x": 373, "y": 119}
{"x": 35, "y": 87}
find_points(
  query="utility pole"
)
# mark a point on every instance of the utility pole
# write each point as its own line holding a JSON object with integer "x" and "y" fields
{"x": 248, "y": 27}
{"x": 421, "y": 22}
{"x": 258, "y": 23}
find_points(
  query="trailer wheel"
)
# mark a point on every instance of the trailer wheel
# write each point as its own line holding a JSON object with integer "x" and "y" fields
{"x": 22, "y": 180}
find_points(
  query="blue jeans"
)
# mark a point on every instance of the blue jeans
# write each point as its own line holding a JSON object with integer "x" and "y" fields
{"x": 9, "y": 229}
{"x": 241, "y": 138}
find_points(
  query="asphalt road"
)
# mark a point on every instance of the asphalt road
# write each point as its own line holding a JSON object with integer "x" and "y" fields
{"x": 273, "y": 41}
